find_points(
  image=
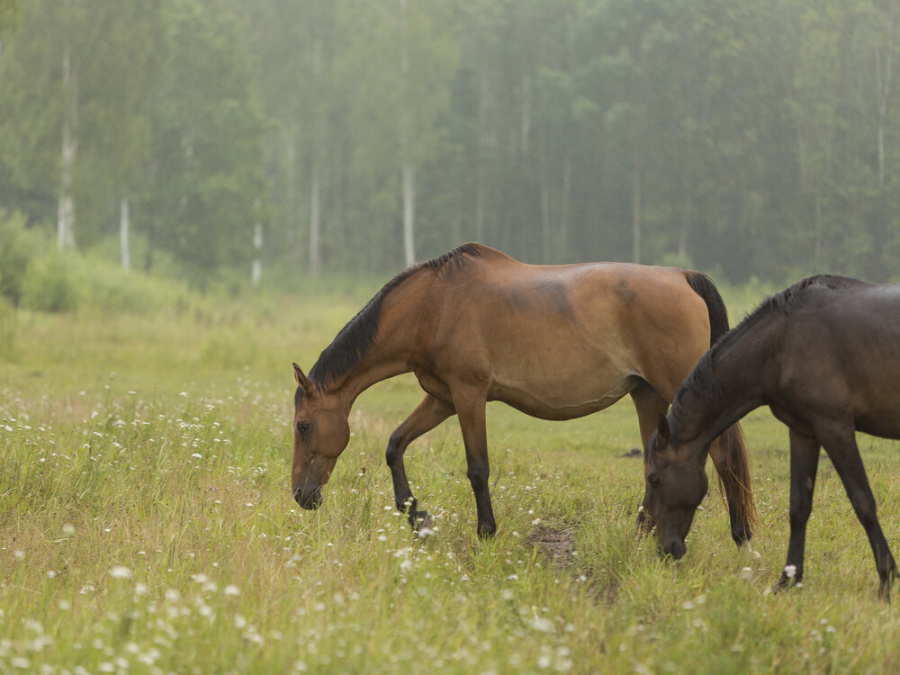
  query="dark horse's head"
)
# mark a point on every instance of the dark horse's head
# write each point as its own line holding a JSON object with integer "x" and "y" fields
{"x": 676, "y": 484}
{"x": 321, "y": 432}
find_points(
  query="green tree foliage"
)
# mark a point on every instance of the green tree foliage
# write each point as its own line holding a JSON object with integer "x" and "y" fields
{"x": 206, "y": 174}
{"x": 753, "y": 138}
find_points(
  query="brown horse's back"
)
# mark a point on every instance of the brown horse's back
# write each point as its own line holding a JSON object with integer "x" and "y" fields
{"x": 559, "y": 342}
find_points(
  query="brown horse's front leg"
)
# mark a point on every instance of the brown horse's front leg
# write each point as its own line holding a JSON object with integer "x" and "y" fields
{"x": 472, "y": 423}
{"x": 428, "y": 414}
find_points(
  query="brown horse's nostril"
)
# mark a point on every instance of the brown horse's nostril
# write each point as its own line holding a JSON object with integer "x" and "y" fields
{"x": 308, "y": 498}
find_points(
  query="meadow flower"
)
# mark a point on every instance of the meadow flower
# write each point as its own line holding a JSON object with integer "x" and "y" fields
{"x": 19, "y": 555}
{"x": 120, "y": 572}
{"x": 790, "y": 571}
{"x": 68, "y": 530}
{"x": 232, "y": 590}
{"x": 542, "y": 624}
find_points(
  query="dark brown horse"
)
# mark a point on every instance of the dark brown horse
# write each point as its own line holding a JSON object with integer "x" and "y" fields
{"x": 556, "y": 342}
{"x": 824, "y": 355}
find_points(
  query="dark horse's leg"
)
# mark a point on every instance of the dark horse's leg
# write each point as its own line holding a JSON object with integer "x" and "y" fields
{"x": 804, "y": 465}
{"x": 470, "y": 410}
{"x": 844, "y": 454}
{"x": 428, "y": 414}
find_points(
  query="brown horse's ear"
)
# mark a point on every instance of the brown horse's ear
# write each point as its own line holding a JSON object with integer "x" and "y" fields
{"x": 663, "y": 433}
{"x": 302, "y": 380}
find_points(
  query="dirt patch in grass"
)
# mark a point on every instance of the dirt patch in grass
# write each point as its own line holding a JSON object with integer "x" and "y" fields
{"x": 555, "y": 545}
{"x": 558, "y": 545}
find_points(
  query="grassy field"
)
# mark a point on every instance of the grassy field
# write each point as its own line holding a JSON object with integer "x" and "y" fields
{"x": 146, "y": 526}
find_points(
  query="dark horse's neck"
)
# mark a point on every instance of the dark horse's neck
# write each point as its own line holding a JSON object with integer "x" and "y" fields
{"x": 725, "y": 385}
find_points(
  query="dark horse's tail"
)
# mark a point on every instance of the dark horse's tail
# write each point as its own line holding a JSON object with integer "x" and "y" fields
{"x": 734, "y": 445}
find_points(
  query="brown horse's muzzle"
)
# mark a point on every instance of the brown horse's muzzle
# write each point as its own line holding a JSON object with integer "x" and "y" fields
{"x": 308, "y": 497}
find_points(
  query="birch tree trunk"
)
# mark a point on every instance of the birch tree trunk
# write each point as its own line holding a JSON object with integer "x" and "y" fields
{"x": 883, "y": 85}
{"x": 545, "y": 201}
{"x": 483, "y": 101}
{"x": 409, "y": 212}
{"x": 636, "y": 204}
{"x": 408, "y": 169}
{"x": 315, "y": 218}
{"x": 256, "y": 271}
{"x": 564, "y": 206}
{"x": 65, "y": 220}
{"x": 124, "y": 233}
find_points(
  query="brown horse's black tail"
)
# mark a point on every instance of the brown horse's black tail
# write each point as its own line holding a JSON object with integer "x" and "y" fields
{"x": 734, "y": 479}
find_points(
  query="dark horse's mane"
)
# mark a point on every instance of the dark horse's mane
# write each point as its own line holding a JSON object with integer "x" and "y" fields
{"x": 703, "y": 383}
{"x": 355, "y": 339}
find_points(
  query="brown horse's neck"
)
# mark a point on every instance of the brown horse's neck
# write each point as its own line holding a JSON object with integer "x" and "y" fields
{"x": 390, "y": 354}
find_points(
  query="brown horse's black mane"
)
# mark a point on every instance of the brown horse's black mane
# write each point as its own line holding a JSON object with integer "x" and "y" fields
{"x": 355, "y": 339}
{"x": 703, "y": 383}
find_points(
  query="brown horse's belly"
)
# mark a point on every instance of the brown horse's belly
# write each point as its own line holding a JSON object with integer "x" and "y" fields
{"x": 561, "y": 407}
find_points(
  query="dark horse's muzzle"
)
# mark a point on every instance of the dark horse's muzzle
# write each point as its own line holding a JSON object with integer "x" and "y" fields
{"x": 309, "y": 497}
{"x": 675, "y": 548}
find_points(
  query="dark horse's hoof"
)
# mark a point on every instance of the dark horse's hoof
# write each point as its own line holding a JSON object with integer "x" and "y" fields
{"x": 419, "y": 519}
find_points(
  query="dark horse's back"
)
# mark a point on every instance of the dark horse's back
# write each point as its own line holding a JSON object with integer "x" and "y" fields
{"x": 841, "y": 342}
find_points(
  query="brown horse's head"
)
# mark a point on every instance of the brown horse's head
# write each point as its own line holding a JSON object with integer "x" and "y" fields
{"x": 321, "y": 432}
{"x": 676, "y": 484}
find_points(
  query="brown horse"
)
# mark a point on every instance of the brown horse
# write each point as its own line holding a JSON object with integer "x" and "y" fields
{"x": 824, "y": 355}
{"x": 556, "y": 342}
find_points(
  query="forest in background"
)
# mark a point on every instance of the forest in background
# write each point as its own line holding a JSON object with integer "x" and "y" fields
{"x": 749, "y": 138}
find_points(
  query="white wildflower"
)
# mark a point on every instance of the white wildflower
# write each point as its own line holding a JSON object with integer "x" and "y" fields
{"x": 790, "y": 571}
{"x": 120, "y": 572}
{"x": 542, "y": 625}
{"x": 232, "y": 590}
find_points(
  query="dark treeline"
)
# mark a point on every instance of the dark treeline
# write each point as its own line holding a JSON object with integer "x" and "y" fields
{"x": 749, "y": 137}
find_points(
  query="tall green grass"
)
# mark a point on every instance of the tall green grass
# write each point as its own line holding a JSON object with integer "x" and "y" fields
{"x": 146, "y": 525}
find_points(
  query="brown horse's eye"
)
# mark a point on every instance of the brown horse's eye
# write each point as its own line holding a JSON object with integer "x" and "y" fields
{"x": 303, "y": 427}
{"x": 653, "y": 479}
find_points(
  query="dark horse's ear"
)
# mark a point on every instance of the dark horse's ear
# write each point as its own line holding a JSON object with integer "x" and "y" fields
{"x": 662, "y": 431}
{"x": 302, "y": 380}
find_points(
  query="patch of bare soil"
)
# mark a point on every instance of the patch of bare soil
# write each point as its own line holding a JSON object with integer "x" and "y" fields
{"x": 555, "y": 545}
{"x": 558, "y": 545}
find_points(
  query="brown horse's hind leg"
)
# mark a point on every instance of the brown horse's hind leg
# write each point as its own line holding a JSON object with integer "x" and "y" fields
{"x": 735, "y": 480}
{"x": 844, "y": 453}
{"x": 470, "y": 410}
{"x": 649, "y": 405}
{"x": 428, "y": 414}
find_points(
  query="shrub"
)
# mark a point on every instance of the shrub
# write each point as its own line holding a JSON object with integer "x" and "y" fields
{"x": 7, "y": 330}
{"x": 49, "y": 286}
{"x": 17, "y": 247}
